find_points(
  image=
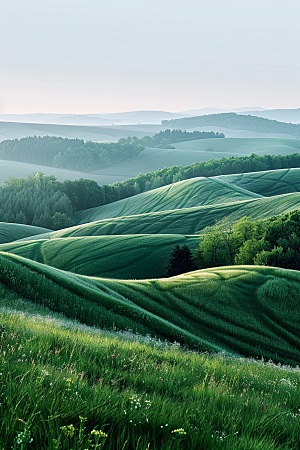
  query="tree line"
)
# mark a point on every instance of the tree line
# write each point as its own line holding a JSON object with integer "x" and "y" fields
{"x": 35, "y": 201}
{"x": 267, "y": 242}
{"x": 165, "y": 138}
{"x": 73, "y": 154}
{"x": 224, "y": 166}
{"x": 236, "y": 122}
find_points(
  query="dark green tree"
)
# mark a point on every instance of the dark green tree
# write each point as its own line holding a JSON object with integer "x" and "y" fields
{"x": 180, "y": 261}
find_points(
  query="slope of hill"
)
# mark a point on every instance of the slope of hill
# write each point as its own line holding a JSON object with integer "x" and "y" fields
{"x": 244, "y": 309}
{"x": 139, "y": 391}
{"x": 152, "y": 159}
{"x": 183, "y": 194}
{"x": 236, "y": 122}
{"x": 126, "y": 257}
{"x": 192, "y": 220}
{"x": 18, "y": 130}
{"x": 267, "y": 183}
{"x": 13, "y": 231}
{"x": 242, "y": 147}
{"x": 282, "y": 115}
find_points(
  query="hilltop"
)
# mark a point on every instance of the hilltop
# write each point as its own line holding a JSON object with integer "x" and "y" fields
{"x": 236, "y": 122}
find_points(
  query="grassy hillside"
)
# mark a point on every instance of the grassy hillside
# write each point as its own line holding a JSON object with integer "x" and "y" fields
{"x": 190, "y": 152}
{"x": 57, "y": 373}
{"x": 126, "y": 257}
{"x": 241, "y": 146}
{"x": 187, "y": 220}
{"x": 231, "y": 133}
{"x": 244, "y": 309}
{"x": 153, "y": 159}
{"x": 183, "y": 194}
{"x": 12, "y": 231}
{"x": 22, "y": 170}
{"x": 18, "y": 130}
{"x": 267, "y": 183}
{"x": 236, "y": 122}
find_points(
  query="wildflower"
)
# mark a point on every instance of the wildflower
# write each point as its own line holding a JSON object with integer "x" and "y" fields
{"x": 68, "y": 430}
{"x": 179, "y": 432}
{"x": 99, "y": 433}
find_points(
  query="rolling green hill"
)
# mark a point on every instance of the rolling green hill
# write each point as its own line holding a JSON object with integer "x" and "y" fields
{"x": 183, "y": 194}
{"x": 152, "y": 159}
{"x": 236, "y": 122}
{"x": 189, "y": 220}
{"x": 222, "y": 148}
{"x": 130, "y": 256}
{"x": 267, "y": 183}
{"x": 13, "y": 231}
{"x": 244, "y": 309}
{"x": 18, "y": 130}
{"x": 139, "y": 391}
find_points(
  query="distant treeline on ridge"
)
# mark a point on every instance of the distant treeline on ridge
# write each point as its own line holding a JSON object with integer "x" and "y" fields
{"x": 43, "y": 201}
{"x": 75, "y": 154}
{"x": 236, "y": 122}
{"x": 211, "y": 168}
{"x": 165, "y": 139}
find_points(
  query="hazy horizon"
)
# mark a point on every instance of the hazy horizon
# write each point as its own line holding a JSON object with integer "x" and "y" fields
{"x": 100, "y": 57}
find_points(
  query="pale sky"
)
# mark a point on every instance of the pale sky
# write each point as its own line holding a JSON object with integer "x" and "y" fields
{"x": 99, "y": 56}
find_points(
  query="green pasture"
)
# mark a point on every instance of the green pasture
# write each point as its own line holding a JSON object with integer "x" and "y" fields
{"x": 186, "y": 221}
{"x": 62, "y": 383}
{"x": 22, "y": 170}
{"x": 183, "y": 194}
{"x": 12, "y": 231}
{"x": 132, "y": 256}
{"x": 241, "y": 146}
{"x": 152, "y": 159}
{"x": 266, "y": 183}
{"x": 18, "y": 130}
{"x": 201, "y": 150}
{"x": 248, "y": 310}
{"x": 245, "y": 134}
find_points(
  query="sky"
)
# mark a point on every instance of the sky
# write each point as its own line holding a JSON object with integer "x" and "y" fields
{"x": 100, "y": 56}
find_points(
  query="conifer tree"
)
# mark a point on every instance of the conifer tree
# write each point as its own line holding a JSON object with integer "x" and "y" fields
{"x": 180, "y": 261}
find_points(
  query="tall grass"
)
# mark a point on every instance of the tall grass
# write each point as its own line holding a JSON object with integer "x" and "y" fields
{"x": 229, "y": 309}
{"x": 59, "y": 382}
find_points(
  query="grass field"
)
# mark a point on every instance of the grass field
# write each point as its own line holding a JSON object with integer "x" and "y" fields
{"x": 152, "y": 159}
{"x": 183, "y": 194}
{"x": 18, "y": 130}
{"x": 13, "y": 231}
{"x": 93, "y": 338}
{"x": 61, "y": 380}
{"x": 267, "y": 183}
{"x": 126, "y": 257}
{"x": 241, "y": 147}
{"x": 242, "y": 309}
{"x": 187, "y": 220}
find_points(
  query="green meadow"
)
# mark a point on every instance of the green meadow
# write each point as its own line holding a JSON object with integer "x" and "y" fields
{"x": 13, "y": 231}
{"x": 242, "y": 146}
{"x": 98, "y": 350}
{"x": 65, "y": 385}
{"x": 246, "y": 310}
{"x": 130, "y": 256}
{"x": 152, "y": 159}
{"x": 187, "y": 220}
{"x": 183, "y": 194}
{"x": 99, "y": 363}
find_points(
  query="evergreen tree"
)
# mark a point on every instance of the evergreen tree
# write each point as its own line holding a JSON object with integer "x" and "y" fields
{"x": 180, "y": 261}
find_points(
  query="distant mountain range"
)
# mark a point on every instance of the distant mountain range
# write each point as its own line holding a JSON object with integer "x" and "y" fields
{"x": 148, "y": 117}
